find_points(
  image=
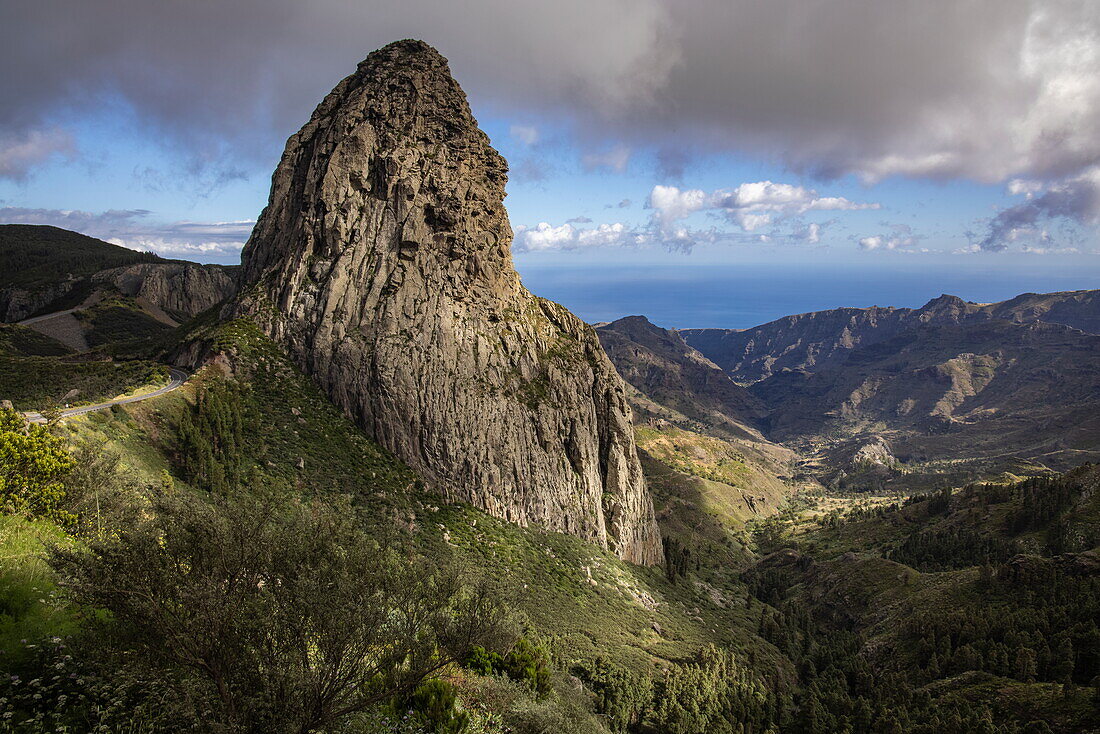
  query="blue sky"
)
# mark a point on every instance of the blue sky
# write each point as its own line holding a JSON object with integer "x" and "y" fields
{"x": 704, "y": 166}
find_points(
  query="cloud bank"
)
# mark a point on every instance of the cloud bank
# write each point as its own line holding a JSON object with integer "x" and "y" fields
{"x": 136, "y": 229}
{"x": 985, "y": 90}
{"x": 1075, "y": 200}
{"x": 750, "y": 205}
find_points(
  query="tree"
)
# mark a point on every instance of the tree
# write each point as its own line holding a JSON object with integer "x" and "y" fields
{"x": 1062, "y": 665}
{"x": 286, "y": 614}
{"x": 33, "y": 468}
{"x": 99, "y": 491}
{"x": 1025, "y": 667}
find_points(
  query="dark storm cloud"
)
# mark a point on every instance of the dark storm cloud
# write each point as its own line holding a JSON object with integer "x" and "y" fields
{"x": 227, "y": 82}
{"x": 1076, "y": 200}
{"x": 985, "y": 89}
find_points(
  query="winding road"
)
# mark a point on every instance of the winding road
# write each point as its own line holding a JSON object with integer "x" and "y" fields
{"x": 176, "y": 378}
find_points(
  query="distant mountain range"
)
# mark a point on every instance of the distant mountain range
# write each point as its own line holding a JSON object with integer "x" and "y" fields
{"x": 821, "y": 339}
{"x": 951, "y": 390}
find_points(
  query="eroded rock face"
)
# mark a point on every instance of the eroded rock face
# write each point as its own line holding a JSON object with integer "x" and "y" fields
{"x": 17, "y": 304}
{"x": 382, "y": 262}
{"x": 182, "y": 290}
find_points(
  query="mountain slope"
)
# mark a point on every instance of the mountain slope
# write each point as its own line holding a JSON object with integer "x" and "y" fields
{"x": 663, "y": 367}
{"x": 703, "y": 453}
{"x": 953, "y": 390}
{"x": 33, "y": 254}
{"x": 382, "y": 263}
{"x": 981, "y": 391}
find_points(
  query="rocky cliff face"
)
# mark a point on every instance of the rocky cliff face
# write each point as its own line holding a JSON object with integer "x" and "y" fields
{"x": 182, "y": 290}
{"x": 382, "y": 262}
{"x": 17, "y": 304}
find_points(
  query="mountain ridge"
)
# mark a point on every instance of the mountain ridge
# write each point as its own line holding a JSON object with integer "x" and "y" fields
{"x": 819, "y": 339}
{"x": 45, "y": 268}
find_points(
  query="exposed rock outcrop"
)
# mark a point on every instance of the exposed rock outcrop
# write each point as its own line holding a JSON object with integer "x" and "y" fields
{"x": 17, "y": 304}
{"x": 182, "y": 290}
{"x": 382, "y": 262}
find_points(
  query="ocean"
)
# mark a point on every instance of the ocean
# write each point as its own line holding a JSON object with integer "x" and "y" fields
{"x": 744, "y": 295}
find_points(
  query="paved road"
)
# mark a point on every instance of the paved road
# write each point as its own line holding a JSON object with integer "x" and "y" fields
{"x": 55, "y": 314}
{"x": 175, "y": 379}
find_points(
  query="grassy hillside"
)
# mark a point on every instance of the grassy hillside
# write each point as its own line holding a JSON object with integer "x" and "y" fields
{"x": 19, "y": 341}
{"x": 588, "y": 608}
{"x": 586, "y": 600}
{"x": 118, "y": 319}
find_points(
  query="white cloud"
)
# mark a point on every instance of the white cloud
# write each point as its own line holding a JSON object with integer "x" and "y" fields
{"x": 526, "y": 134}
{"x": 135, "y": 228}
{"x": 810, "y": 233}
{"x": 749, "y": 205}
{"x": 614, "y": 159}
{"x": 167, "y": 247}
{"x": 545, "y": 237}
{"x": 20, "y": 153}
{"x": 883, "y": 242}
{"x": 1049, "y": 250}
{"x": 765, "y": 196}
{"x": 670, "y": 204}
{"x": 749, "y": 221}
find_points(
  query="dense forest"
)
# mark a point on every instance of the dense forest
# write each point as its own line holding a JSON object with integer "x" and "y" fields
{"x": 33, "y": 255}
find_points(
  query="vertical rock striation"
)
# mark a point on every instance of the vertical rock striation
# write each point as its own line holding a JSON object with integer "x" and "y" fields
{"x": 183, "y": 290}
{"x": 382, "y": 262}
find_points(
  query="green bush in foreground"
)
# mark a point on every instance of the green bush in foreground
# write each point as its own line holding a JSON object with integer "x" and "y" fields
{"x": 525, "y": 663}
{"x": 432, "y": 704}
{"x": 271, "y": 616}
{"x": 33, "y": 466}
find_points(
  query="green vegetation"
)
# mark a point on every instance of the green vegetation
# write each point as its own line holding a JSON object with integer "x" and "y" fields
{"x": 118, "y": 320}
{"x": 525, "y": 663}
{"x": 284, "y": 615}
{"x": 33, "y": 466}
{"x": 37, "y": 383}
{"x": 992, "y": 628}
{"x": 19, "y": 341}
{"x": 35, "y": 255}
{"x": 244, "y": 518}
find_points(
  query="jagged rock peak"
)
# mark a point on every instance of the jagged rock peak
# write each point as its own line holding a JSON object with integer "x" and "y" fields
{"x": 399, "y": 130}
{"x": 383, "y": 263}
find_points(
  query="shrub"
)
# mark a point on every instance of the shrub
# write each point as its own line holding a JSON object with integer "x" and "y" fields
{"x": 525, "y": 663}
{"x": 33, "y": 468}
{"x": 285, "y": 615}
{"x": 529, "y": 664}
{"x": 433, "y": 704}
